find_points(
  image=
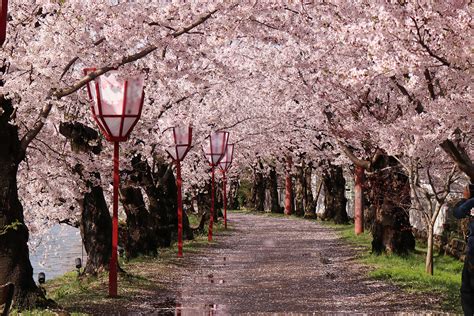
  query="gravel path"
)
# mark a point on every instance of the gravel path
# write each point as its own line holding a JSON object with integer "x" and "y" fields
{"x": 283, "y": 265}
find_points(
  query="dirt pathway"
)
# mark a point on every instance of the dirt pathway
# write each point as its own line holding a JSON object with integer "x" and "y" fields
{"x": 279, "y": 265}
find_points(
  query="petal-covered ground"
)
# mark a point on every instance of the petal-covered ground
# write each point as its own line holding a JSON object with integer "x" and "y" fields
{"x": 262, "y": 264}
{"x": 281, "y": 265}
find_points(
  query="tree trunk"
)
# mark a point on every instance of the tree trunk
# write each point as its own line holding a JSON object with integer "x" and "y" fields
{"x": 310, "y": 205}
{"x": 233, "y": 203}
{"x": 162, "y": 197}
{"x": 288, "y": 187}
{"x": 15, "y": 266}
{"x": 389, "y": 200}
{"x": 95, "y": 222}
{"x": 299, "y": 190}
{"x": 96, "y": 230}
{"x": 429, "y": 253}
{"x": 273, "y": 188}
{"x": 334, "y": 195}
{"x": 258, "y": 189}
{"x": 358, "y": 201}
{"x": 140, "y": 233}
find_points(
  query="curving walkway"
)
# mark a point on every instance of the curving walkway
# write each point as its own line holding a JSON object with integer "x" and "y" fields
{"x": 282, "y": 265}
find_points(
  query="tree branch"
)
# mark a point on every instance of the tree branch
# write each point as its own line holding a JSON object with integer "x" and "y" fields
{"x": 56, "y": 93}
{"x": 460, "y": 157}
{"x": 358, "y": 162}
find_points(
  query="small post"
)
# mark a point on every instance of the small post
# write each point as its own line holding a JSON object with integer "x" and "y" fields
{"x": 224, "y": 180}
{"x": 288, "y": 187}
{"x": 211, "y": 221}
{"x": 113, "y": 257}
{"x": 358, "y": 201}
{"x": 180, "y": 208}
{"x": 3, "y": 20}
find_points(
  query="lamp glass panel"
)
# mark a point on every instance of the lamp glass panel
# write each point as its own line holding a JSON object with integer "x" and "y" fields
{"x": 111, "y": 94}
{"x": 127, "y": 125}
{"x": 172, "y": 152}
{"x": 225, "y": 162}
{"x": 113, "y": 123}
{"x": 181, "y": 151}
{"x": 218, "y": 142}
{"x": 134, "y": 96}
{"x": 182, "y": 135}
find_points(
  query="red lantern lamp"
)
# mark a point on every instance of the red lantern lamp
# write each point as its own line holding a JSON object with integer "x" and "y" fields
{"x": 182, "y": 137}
{"x": 214, "y": 149}
{"x": 117, "y": 104}
{"x": 224, "y": 166}
{"x": 226, "y": 161}
{"x": 3, "y": 20}
{"x": 116, "y": 107}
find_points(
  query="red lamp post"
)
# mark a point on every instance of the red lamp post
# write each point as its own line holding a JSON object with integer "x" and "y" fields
{"x": 182, "y": 137}
{"x": 214, "y": 150}
{"x": 116, "y": 108}
{"x": 224, "y": 166}
{"x": 3, "y": 20}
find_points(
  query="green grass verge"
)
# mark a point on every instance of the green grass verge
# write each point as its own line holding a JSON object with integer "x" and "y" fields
{"x": 144, "y": 275}
{"x": 408, "y": 272}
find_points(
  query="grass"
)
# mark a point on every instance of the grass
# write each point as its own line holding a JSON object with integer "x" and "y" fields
{"x": 407, "y": 272}
{"x": 144, "y": 275}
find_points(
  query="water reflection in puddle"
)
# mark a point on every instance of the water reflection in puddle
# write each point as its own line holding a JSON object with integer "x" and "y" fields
{"x": 204, "y": 310}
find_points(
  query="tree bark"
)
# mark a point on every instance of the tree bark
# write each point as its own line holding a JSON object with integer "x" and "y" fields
{"x": 460, "y": 157}
{"x": 429, "y": 255}
{"x": 310, "y": 204}
{"x": 258, "y": 189}
{"x": 15, "y": 266}
{"x": 162, "y": 197}
{"x": 388, "y": 199}
{"x": 273, "y": 188}
{"x": 388, "y": 195}
{"x": 96, "y": 230}
{"x": 95, "y": 221}
{"x": 334, "y": 195}
{"x": 299, "y": 190}
{"x": 140, "y": 227}
{"x": 233, "y": 203}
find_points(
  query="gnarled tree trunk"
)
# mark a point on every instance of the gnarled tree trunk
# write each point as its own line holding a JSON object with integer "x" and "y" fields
{"x": 334, "y": 195}
{"x": 95, "y": 222}
{"x": 233, "y": 203}
{"x": 299, "y": 190}
{"x": 310, "y": 204}
{"x": 273, "y": 188}
{"x": 389, "y": 199}
{"x": 140, "y": 233}
{"x": 15, "y": 263}
{"x": 258, "y": 189}
{"x": 96, "y": 230}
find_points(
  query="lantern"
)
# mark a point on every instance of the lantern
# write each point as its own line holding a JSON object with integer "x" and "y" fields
{"x": 117, "y": 104}
{"x": 214, "y": 149}
{"x": 3, "y": 20}
{"x": 224, "y": 166}
{"x": 116, "y": 107}
{"x": 215, "y": 146}
{"x": 182, "y": 137}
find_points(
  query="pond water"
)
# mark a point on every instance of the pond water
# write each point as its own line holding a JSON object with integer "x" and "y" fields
{"x": 55, "y": 251}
